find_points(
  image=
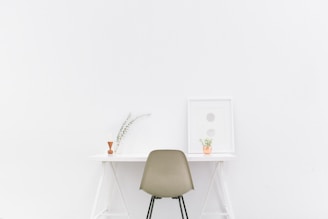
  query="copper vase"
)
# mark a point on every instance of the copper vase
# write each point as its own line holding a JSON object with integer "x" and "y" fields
{"x": 110, "y": 145}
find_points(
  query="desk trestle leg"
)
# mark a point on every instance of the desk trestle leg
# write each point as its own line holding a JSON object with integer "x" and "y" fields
{"x": 218, "y": 179}
{"x": 106, "y": 211}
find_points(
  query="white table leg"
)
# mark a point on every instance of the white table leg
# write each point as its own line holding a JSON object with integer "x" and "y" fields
{"x": 222, "y": 187}
{"x": 110, "y": 193}
{"x": 119, "y": 189}
{"x": 95, "y": 204}
{"x": 208, "y": 190}
{"x": 218, "y": 178}
{"x": 106, "y": 210}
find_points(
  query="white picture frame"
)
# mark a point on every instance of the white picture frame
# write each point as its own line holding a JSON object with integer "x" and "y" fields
{"x": 210, "y": 118}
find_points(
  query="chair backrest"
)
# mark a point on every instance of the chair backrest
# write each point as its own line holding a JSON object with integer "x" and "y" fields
{"x": 166, "y": 174}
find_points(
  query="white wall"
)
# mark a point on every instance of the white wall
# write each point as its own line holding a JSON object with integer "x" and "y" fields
{"x": 70, "y": 72}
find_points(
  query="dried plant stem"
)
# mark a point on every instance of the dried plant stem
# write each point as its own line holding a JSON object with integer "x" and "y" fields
{"x": 125, "y": 127}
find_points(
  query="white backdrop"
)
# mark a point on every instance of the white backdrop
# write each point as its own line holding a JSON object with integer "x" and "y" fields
{"x": 71, "y": 71}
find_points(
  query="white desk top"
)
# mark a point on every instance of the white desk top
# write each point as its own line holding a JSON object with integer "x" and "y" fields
{"x": 143, "y": 157}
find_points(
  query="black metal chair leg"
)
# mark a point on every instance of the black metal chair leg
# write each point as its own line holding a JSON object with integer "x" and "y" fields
{"x": 184, "y": 206}
{"x": 179, "y": 198}
{"x": 150, "y": 208}
{"x": 181, "y": 202}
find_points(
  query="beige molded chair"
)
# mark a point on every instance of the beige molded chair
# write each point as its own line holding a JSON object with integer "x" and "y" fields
{"x": 166, "y": 175}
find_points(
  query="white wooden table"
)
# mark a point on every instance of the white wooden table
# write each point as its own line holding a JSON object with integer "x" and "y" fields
{"x": 217, "y": 179}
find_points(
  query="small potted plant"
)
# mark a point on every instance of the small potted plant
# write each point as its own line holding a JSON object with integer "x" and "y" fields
{"x": 207, "y": 145}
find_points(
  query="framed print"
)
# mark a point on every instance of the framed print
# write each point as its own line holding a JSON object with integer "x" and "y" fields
{"x": 211, "y": 119}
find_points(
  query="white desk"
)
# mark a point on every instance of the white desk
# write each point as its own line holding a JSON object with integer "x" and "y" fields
{"x": 217, "y": 179}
